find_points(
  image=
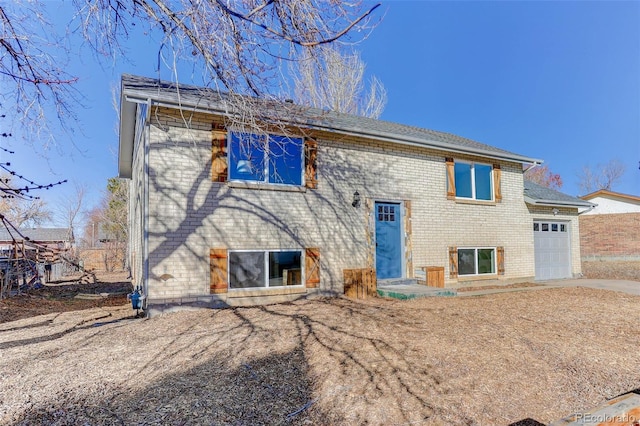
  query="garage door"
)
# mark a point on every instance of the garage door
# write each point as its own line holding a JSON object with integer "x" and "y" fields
{"x": 552, "y": 250}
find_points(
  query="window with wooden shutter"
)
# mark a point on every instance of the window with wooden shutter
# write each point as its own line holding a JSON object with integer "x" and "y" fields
{"x": 219, "y": 167}
{"x": 312, "y": 267}
{"x": 500, "y": 260}
{"x": 497, "y": 192}
{"x": 453, "y": 262}
{"x": 310, "y": 163}
{"x": 451, "y": 181}
{"x": 218, "y": 271}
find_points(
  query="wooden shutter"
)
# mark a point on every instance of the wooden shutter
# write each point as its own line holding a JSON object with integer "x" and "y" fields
{"x": 451, "y": 180}
{"x": 500, "y": 260}
{"x": 218, "y": 271}
{"x": 312, "y": 267}
{"x": 453, "y": 262}
{"x": 219, "y": 156}
{"x": 497, "y": 192}
{"x": 310, "y": 163}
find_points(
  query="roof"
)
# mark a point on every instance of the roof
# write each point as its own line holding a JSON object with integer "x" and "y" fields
{"x": 539, "y": 195}
{"x": 43, "y": 235}
{"x": 614, "y": 195}
{"x": 142, "y": 90}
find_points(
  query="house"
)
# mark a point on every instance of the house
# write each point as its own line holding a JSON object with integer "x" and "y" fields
{"x": 41, "y": 246}
{"x": 611, "y": 229}
{"x": 609, "y": 202}
{"x": 220, "y": 215}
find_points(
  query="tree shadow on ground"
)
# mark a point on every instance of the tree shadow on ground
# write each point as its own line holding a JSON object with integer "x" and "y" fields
{"x": 270, "y": 390}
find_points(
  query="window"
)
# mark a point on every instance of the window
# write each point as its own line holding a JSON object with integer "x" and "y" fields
{"x": 473, "y": 181}
{"x": 268, "y": 159}
{"x": 549, "y": 227}
{"x": 476, "y": 261}
{"x": 387, "y": 213}
{"x": 264, "y": 269}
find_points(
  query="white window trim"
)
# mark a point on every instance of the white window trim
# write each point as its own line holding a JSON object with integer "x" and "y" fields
{"x": 475, "y": 261}
{"x": 266, "y": 269}
{"x": 265, "y": 166}
{"x": 473, "y": 181}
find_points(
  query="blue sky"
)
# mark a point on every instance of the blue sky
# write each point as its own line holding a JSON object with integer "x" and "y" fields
{"x": 558, "y": 81}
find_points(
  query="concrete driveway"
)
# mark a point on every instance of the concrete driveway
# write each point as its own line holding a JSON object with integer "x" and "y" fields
{"x": 629, "y": 287}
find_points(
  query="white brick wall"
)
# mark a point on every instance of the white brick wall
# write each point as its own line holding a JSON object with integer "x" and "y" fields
{"x": 189, "y": 214}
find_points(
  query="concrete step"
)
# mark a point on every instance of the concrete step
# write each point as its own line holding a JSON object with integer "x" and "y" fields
{"x": 409, "y": 289}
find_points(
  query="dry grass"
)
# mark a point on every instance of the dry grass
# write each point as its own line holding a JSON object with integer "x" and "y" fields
{"x": 612, "y": 270}
{"x": 486, "y": 360}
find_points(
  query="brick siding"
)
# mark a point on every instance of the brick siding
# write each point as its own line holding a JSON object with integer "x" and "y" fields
{"x": 189, "y": 214}
{"x": 610, "y": 236}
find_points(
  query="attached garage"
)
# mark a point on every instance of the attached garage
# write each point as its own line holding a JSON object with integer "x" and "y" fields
{"x": 552, "y": 247}
{"x": 556, "y": 248}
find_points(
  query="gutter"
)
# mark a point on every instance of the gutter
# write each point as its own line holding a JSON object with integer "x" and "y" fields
{"x": 556, "y": 203}
{"x": 593, "y": 206}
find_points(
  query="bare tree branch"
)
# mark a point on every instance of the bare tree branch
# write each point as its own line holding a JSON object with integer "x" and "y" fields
{"x": 602, "y": 176}
{"x": 332, "y": 80}
{"x": 285, "y": 36}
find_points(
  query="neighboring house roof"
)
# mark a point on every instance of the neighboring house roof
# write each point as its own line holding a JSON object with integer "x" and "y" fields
{"x": 539, "y": 195}
{"x": 43, "y": 235}
{"x": 618, "y": 196}
{"x": 141, "y": 90}
{"x": 609, "y": 202}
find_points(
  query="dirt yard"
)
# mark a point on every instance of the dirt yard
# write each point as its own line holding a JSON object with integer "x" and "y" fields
{"x": 490, "y": 360}
{"x": 60, "y": 296}
{"x": 617, "y": 270}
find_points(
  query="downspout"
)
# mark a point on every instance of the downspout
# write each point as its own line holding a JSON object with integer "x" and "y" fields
{"x": 535, "y": 164}
{"x": 145, "y": 216}
{"x": 593, "y": 206}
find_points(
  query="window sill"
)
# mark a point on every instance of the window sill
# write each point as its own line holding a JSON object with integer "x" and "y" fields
{"x": 476, "y": 202}
{"x": 464, "y": 278}
{"x": 266, "y": 186}
{"x": 273, "y": 291}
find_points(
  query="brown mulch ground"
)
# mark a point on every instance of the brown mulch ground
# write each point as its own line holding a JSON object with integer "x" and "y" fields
{"x": 490, "y": 360}
{"x": 60, "y": 296}
{"x": 492, "y": 287}
{"x": 615, "y": 270}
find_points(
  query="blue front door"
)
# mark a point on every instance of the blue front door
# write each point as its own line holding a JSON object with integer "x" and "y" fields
{"x": 388, "y": 241}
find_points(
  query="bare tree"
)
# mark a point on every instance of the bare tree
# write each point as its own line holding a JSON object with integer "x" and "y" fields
{"x": 332, "y": 80}
{"x": 20, "y": 211}
{"x": 70, "y": 206}
{"x": 238, "y": 47}
{"x": 544, "y": 177}
{"x": 602, "y": 176}
{"x": 33, "y": 76}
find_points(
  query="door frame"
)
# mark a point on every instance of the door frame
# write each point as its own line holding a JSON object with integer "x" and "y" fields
{"x": 402, "y": 212}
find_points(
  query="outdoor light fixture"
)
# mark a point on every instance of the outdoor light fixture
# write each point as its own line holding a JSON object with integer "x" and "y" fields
{"x": 555, "y": 211}
{"x": 356, "y": 199}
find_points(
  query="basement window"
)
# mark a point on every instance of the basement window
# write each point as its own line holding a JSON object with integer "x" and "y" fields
{"x": 265, "y": 269}
{"x": 476, "y": 261}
